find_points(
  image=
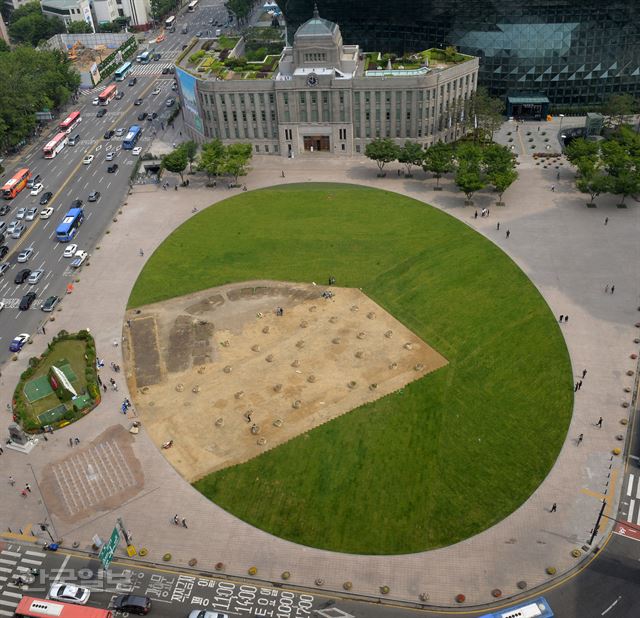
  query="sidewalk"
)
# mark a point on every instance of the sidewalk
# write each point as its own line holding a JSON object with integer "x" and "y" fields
{"x": 564, "y": 248}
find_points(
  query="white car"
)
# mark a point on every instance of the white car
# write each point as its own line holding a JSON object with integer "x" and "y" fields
{"x": 156, "y": 91}
{"x": 1, "y": 305}
{"x": 12, "y": 226}
{"x": 88, "y": 159}
{"x": 120, "y": 132}
{"x": 70, "y": 250}
{"x": 110, "y": 156}
{"x": 95, "y": 101}
{"x": 21, "y": 213}
{"x": 136, "y": 151}
{"x": 79, "y": 259}
{"x": 35, "y": 276}
{"x": 25, "y": 254}
{"x": 46, "y": 213}
{"x": 69, "y": 593}
{"x": 31, "y": 214}
{"x": 37, "y": 189}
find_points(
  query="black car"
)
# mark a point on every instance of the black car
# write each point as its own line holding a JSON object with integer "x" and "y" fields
{"x": 2, "y": 239}
{"x": 112, "y": 169}
{"x": 27, "y": 300}
{"x": 133, "y": 81}
{"x": 94, "y": 196}
{"x": 77, "y": 204}
{"x": 5, "y": 209}
{"x": 101, "y": 113}
{"x": 138, "y": 102}
{"x": 185, "y": 46}
{"x": 157, "y": 57}
{"x": 165, "y": 71}
{"x": 45, "y": 198}
{"x": 142, "y": 115}
{"x": 4, "y": 267}
{"x": 132, "y": 604}
{"x": 154, "y": 115}
{"x": 120, "y": 95}
{"x": 50, "y": 303}
{"x": 3, "y": 251}
{"x": 22, "y": 276}
{"x": 109, "y": 134}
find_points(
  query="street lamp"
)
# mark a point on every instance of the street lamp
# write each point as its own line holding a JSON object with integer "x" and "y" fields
{"x": 44, "y": 526}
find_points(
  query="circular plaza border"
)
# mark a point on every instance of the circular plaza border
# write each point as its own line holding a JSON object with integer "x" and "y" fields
{"x": 436, "y": 462}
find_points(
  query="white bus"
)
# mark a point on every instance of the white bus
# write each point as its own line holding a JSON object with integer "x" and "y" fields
{"x": 170, "y": 22}
{"x": 192, "y": 6}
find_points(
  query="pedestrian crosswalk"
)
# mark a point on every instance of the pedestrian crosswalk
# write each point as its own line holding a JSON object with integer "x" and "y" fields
{"x": 153, "y": 68}
{"x": 633, "y": 495}
{"x": 16, "y": 561}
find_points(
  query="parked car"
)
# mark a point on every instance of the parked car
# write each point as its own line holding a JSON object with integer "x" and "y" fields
{"x": 136, "y": 151}
{"x": 18, "y": 230}
{"x": 94, "y": 196}
{"x": 138, "y": 101}
{"x": 26, "y": 301}
{"x": 110, "y": 156}
{"x": 45, "y": 198}
{"x": 70, "y": 251}
{"x": 120, "y": 95}
{"x": 79, "y": 259}
{"x": 88, "y": 159}
{"x": 155, "y": 91}
{"x": 45, "y": 213}
{"x": 19, "y": 341}
{"x": 132, "y": 604}
{"x": 113, "y": 168}
{"x": 120, "y": 131}
{"x": 50, "y": 304}
{"x": 31, "y": 214}
{"x": 133, "y": 81}
{"x": 69, "y": 593}
{"x": 170, "y": 102}
{"x": 22, "y": 276}
{"x": 25, "y": 255}
{"x": 101, "y": 113}
{"x": 37, "y": 189}
{"x": 35, "y": 276}
{"x": 109, "y": 134}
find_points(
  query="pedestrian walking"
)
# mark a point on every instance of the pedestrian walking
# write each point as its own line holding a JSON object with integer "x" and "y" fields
{"x": 70, "y": 441}
{"x": 27, "y": 487}
{"x": 579, "y": 384}
{"x": 558, "y": 176}
{"x": 498, "y": 226}
{"x": 575, "y": 388}
{"x": 99, "y": 380}
{"x": 184, "y": 523}
{"x": 606, "y": 220}
{"x": 282, "y": 173}
{"x": 580, "y": 438}
{"x": 141, "y": 252}
{"x": 561, "y": 318}
{"x": 613, "y": 289}
{"x": 584, "y": 374}
{"x": 176, "y": 519}
{"x": 554, "y": 507}
{"x": 606, "y": 288}
{"x": 566, "y": 318}
{"x": 508, "y": 233}
{"x": 475, "y": 214}
{"x": 553, "y": 188}
{"x": 76, "y": 440}
{"x": 44, "y": 330}
{"x": 104, "y": 388}
{"x": 12, "y": 481}
{"x": 1, "y": 451}
{"x": 599, "y": 423}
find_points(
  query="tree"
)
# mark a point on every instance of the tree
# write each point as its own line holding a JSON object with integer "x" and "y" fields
{"x": 382, "y": 151}
{"x": 410, "y": 155}
{"x": 619, "y": 106}
{"x": 33, "y": 28}
{"x": 3, "y": 46}
{"x": 469, "y": 174}
{"x": 485, "y": 112}
{"x": 438, "y": 159}
{"x": 502, "y": 180}
{"x": 176, "y": 162}
{"x": 593, "y": 183}
{"x": 211, "y": 156}
{"x": 79, "y": 27}
{"x": 235, "y": 160}
{"x": 626, "y": 183}
{"x": 583, "y": 154}
{"x": 191, "y": 149}
{"x": 499, "y": 166}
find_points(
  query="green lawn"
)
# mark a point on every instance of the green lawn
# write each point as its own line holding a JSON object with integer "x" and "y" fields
{"x": 452, "y": 453}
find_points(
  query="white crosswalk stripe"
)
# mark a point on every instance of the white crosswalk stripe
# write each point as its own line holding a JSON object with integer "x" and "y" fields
{"x": 20, "y": 565}
{"x": 633, "y": 480}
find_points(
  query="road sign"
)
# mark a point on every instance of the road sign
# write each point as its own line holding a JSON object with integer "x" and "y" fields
{"x": 109, "y": 548}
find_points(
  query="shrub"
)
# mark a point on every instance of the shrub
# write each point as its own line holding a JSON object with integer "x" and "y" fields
{"x": 199, "y": 55}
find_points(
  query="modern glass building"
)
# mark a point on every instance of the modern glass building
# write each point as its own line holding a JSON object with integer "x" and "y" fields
{"x": 574, "y": 51}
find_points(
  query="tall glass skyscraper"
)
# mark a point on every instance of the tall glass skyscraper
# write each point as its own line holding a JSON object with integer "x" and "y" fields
{"x": 574, "y": 51}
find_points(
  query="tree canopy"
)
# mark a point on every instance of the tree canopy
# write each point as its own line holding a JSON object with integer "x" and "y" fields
{"x": 29, "y": 25}
{"x": 411, "y": 155}
{"x": 382, "y": 151}
{"x": 438, "y": 160}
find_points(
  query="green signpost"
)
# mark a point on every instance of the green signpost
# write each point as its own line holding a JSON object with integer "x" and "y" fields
{"x": 109, "y": 548}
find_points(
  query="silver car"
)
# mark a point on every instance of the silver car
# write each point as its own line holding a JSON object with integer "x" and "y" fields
{"x": 18, "y": 230}
{"x": 21, "y": 213}
{"x": 25, "y": 255}
{"x": 203, "y": 613}
{"x": 31, "y": 214}
{"x": 35, "y": 276}
{"x": 12, "y": 226}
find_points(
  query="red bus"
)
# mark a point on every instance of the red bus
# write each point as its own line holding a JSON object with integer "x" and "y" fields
{"x": 70, "y": 122}
{"x": 107, "y": 94}
{"x": 14, "y": 185}
{"x": 52, "y": 148}
{"x": 30, "y": 607}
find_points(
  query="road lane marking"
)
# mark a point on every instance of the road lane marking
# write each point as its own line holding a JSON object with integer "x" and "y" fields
{"x": 611, "y": 606}
{"x": 630, "y": 485}
{"x": 632, "y": 505}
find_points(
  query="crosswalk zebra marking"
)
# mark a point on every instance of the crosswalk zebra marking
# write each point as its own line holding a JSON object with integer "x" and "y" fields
{"x": 28, "y": 561}
{"x": 37, "y": 554}
{"x": 8, "y": 603}
{"x": 5, "y": 570}
{"x": 3, "y": 561}
{"x": 5, "y": 613}
{"x": 6, "y": 552}
{"x": 630, "y": 485}
{"x": 15, "y": 595}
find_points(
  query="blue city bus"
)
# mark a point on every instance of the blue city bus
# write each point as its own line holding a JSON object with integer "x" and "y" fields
{"x": 131, "y": 137}
{"x": 535, "y": 608}
{"x": 70, "y": 224}
{"x": 121, "y": 73}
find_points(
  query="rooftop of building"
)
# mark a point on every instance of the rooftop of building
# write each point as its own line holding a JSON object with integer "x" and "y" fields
{"x": 61, "y": 4}
{"x": 316, "y": 26}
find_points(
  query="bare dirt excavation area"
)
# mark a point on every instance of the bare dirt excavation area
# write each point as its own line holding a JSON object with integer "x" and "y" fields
{"x": 226, "y": 377}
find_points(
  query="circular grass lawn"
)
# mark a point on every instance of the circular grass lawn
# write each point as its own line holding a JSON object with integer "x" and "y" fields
{"x": 442, "y": 459}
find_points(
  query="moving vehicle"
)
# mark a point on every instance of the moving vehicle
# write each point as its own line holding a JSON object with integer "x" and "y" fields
{"x": 102, "y": 112}
{"x": 5, "y": 209}
{"x": 46, "y": 198}
{"x": 155, "y": 91}
{"x": 33, "y": 180}
{"x": 192, "y": 5}
{"x": 11, "y": 226}
{"x": 132, "y": 137}
{"x": 69, "y": 593}
{"x": 16, "y": 183}
{"x": 184, "y": 30}
{"x": 76, "y": 138}
{"x": 79, "y": 259}
{"x": 120, "y": 131}
{"x": 138, "y": 102}
{"x": 55, "y": 146}
{"x": 88, "y": 159}
{"x": 157, "y": 56}
{"x": 50, "y": 304}
{"x": 70, "y": 224}
{"x": 22, "y": 276}
{"x": 142, "y": 115}
{"x": 94, "y": 196}
{"x": 70, "y": 122}
{"x": 18, "y": 230}
{"x": 199, "y": 34}
{"x": 70, "y": 251}
{"x": 46, "y": 213}
{"x": 4, "y": 267}
{"x": 25, "y": 254}
{"x": 30, "y": 607}
{"x": 31, "y": 214}
{"x": 122, "y": 71}
{"x": 113, "y": 168}
{"x": 3, "y": 251}
{"x": 144, "y": 57}
{"x": 136, "y": 151}
{"x": 26, "y": 301}
{"x": 170, "y": 22}
{"x": 96, "y": 101}
{"x": 133, "y": 81}
{"x": 203, "y": 613}
{"x": 110, "y": 156}
{"x": 132, "y": 604}
{"x": 35, "y": 276}
{"x": 109, "y": 134}
{"x": 165, "y": 70}
{"x": 534, "y": 608}
{"x": 21, "y": 212}
{"x": 108, "y": 94}
{"x": 120, "y": 95}
{"x": 19, "y": 341}
{"x": 37, "y": 189}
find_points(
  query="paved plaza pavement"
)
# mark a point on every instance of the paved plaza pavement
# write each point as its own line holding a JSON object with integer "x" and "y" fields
{"x": 566, "y": 250}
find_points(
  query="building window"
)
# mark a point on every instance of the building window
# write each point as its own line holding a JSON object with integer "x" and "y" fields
{"x": 357, "y": 147}
{"x": 266, "y": 148}
{"x": 257, "y": 148}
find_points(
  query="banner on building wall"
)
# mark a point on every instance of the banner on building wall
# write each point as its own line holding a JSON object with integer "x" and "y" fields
{"x": 190, "y": 99}
{"x": 86, "y": 12}
{"x": 94, "y": 71}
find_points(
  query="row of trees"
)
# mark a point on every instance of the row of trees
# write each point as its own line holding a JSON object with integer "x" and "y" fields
{"x": 29, "y": 25}
{"x": 608, "y": 166}
{"x": 475, "y": 166}
{"x": 38, "y": 80}
{"x": 215, "y": 159}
